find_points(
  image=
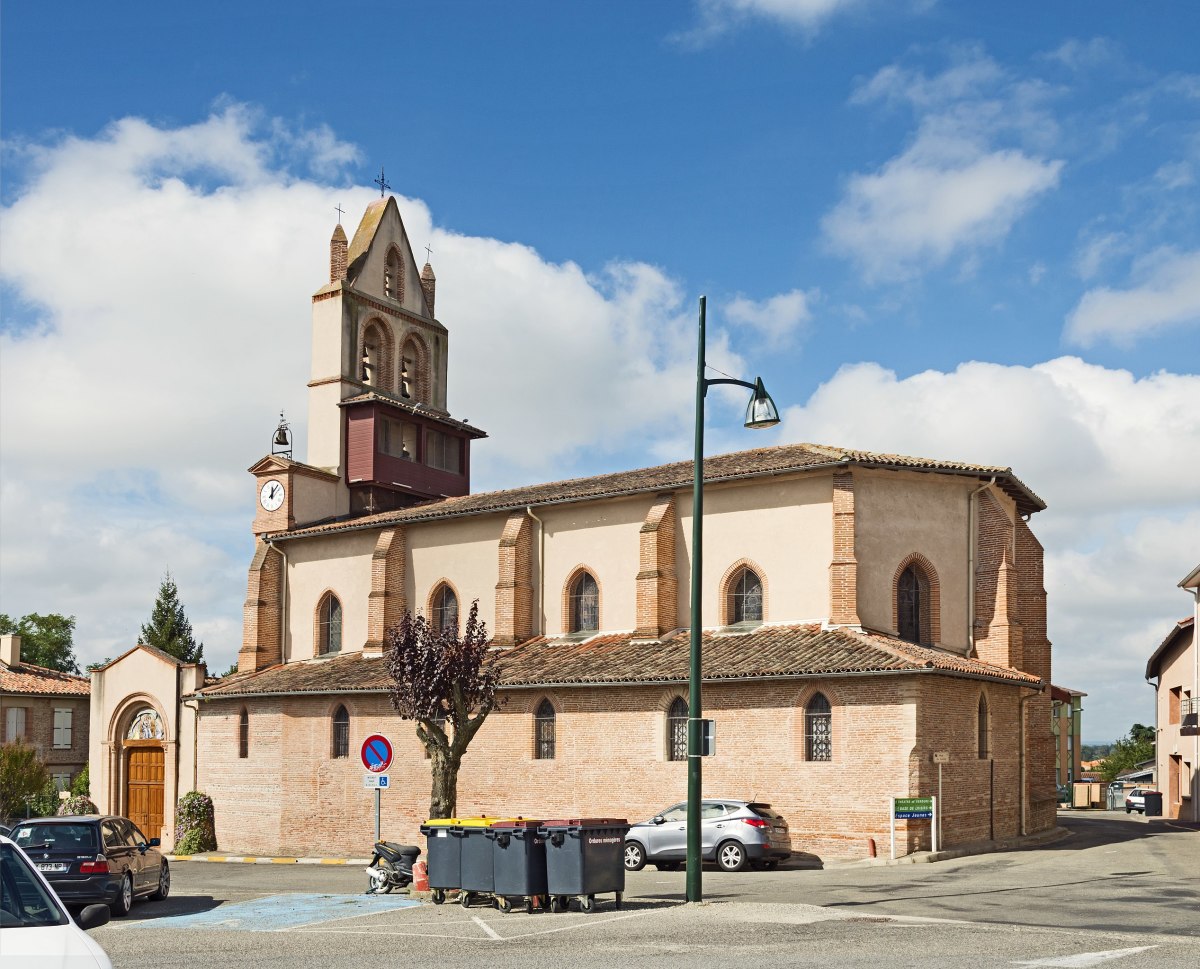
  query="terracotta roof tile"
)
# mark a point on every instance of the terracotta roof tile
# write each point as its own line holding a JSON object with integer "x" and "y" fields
{"x": 27, "y": 678}
{"x": 765, "y": 652}
{"x": 666, "y": 477}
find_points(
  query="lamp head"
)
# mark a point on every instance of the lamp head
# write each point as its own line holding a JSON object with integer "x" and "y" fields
{"x": 761, "y": 411}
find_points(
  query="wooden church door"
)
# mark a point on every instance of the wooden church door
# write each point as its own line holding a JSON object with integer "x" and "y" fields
{"x": 144, "y": 787}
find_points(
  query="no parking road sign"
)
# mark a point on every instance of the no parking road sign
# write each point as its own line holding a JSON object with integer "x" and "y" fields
{"x": 376, "y": 753}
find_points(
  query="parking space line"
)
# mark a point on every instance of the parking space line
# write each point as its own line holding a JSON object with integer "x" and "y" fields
{"x": 487, "y": 928}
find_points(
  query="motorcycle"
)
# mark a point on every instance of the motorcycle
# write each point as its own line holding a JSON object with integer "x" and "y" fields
{"x": 391, "y": 867}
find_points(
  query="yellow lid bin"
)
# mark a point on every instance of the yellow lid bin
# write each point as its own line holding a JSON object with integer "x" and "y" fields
{"x": 459, "y": 855}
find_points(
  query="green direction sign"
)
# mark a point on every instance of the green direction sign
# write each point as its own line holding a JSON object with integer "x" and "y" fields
{"x": 914, "y": 807}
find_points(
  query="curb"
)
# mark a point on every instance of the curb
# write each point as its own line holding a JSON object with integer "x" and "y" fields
{"x": 257, "y": 860}
{"x": 1053, "y": 836}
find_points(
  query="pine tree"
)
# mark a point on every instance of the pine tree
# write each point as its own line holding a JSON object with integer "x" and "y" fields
{"x": 169, "y": 629}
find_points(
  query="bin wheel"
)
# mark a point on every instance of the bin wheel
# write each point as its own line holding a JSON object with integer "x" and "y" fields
{"x": 619, "y": 899}
{"x": 464, "y": 899}
{"x": 559, "y": 903}
{"x": 529, "y": 905}
{"x": 503, "y": 904}
{"x": 587, "y": 903}
{"x": 439, "y": 896}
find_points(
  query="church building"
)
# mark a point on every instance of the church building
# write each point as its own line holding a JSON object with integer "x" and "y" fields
{"x": 874, "y": 624}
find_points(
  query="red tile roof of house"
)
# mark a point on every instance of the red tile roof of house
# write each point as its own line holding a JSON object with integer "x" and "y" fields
{"x": 761, "y": 462}
{"x": 38, "y": 680}
{"x": 766, "y": 652}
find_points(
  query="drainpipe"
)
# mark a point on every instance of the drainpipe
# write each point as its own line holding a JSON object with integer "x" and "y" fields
{"x": 541, "y": 570}
{"x": 194, "y": 706}
{"x": 283, "y": 613}
{"x": 972, "y": 527}
{"x": 1021, "y": 747}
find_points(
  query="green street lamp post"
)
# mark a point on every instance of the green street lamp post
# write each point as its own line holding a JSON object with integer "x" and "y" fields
{"x": 760, "y": 412}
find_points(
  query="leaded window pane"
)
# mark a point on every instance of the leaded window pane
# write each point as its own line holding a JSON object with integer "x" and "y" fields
{"x": 445, "y": 610}
{"x": 747, "y": 598}
{"x": 677, "y": 730}
{"x": 818, "y": 721}
{"x": 244, "y": 735}
{"x": 585, "y": 604}
{"x": 543, "y": 731}
{"x": 984, "y": 744}
{"x": 341, "y": 733}
{"x": 329, "y": 620}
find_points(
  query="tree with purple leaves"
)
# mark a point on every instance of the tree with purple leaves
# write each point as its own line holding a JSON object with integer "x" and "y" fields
{"x": 446, "y": 683}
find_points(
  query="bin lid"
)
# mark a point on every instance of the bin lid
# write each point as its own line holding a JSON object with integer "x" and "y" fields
{"x": 586, "y": 823}
{"x": 480, "y": 822}
{"x": 518, "y": 823}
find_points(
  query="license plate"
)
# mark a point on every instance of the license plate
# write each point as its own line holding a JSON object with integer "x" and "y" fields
{"x": 52, "y": 867}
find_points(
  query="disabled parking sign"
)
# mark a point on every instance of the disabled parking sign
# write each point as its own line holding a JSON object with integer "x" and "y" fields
{"x": 376, "y": 753}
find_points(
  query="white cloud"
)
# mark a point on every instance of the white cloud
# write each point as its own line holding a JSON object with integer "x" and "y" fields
{"x": 777, "y": 318}
{"x": 1166, "y": 294}
{"x": 715, "y": 17}
{"x": 939, "y": 198}
{"x": 1116, "y": 459}
{"x": 162, "y": 282}
{"x": 958, "y": 186}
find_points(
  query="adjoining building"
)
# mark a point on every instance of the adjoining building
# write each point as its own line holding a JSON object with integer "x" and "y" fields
{"x": 46, "y": 710}
{"x": 1066, "y": 718}
{"x": 1175, "y": 669}
{"x": 864, "y": 612}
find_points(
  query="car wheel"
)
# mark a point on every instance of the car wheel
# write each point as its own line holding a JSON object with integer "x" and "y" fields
{"x": 1129, "y": 810}
{"x": 164, "y": 882}
{"x": 635, "y": 856}
{"x": 124, "y": 900}
{"x": 731, "y": 856}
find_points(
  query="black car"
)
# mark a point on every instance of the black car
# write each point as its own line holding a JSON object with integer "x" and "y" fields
{"x": 92, "y": 858}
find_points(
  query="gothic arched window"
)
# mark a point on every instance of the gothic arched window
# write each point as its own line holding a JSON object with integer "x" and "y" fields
{"x": 818, "y": 729}
{"x": 443, "y": 609}
{"x": 341, "y": 732}
{"x": 745, "y": 597}
{"x": 584, "y": 604}
{"x": 329, "y": 625}
{"x": 984, "y": 734}
{"x": 543, "y": 731}
{"x": 393, "y": 275}
{"x": 412, "y": 373}
{"x": 677, "y": 730}
{"x": 244, "y": 734}
{"x": 913, "y": 605}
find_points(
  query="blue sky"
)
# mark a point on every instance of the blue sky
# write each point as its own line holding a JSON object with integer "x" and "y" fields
{"x": 956, "y": 229}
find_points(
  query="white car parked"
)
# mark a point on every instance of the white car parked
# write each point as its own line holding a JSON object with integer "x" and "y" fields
{"x": 38, "y": 932}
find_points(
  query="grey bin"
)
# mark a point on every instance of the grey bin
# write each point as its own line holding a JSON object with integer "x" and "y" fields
{"x": 584, "y": 857}
{"x": 518, "y": 858}
{"x": 1153, "y": 804}
{"x": 443, "y": 854}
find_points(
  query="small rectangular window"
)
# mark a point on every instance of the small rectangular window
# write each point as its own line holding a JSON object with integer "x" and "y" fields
{"x": 62, "y": 782}
{"x": 397, "y": 439}
{"x": 62, "y": 728}
{"x": 14, "y": 723}
{"x": 443, "y": 451}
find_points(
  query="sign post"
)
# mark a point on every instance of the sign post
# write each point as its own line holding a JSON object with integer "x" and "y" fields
{"x": 376, "y": 756}
{"x": 939, "y": 757}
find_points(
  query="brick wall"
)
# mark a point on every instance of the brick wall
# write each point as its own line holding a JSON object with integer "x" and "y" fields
{"x": 611, "y": 760}
{"x": 39, "y": 729}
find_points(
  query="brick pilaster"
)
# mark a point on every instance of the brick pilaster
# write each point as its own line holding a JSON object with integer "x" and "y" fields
{"x": 386, "y": 601}
{"x": 843, "y": 569}
{"x": 338, "y": 250}
{"x": 657, "y": 587}
{"x": 514, "y": 586}
{"x": 262, "y": 615}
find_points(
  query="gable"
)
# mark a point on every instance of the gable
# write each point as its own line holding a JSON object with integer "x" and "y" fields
{"x": 381, "y": 232}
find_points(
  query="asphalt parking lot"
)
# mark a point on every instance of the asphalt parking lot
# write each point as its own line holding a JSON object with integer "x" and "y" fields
{"x": 1114, "y": 889}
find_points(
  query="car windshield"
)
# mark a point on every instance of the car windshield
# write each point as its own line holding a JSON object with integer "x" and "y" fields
{"x": 51, "y": 836}
{"x": 24, "y": 901}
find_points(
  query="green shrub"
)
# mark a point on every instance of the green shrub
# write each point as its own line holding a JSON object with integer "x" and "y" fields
{"x": 23, "y": 780}
{"x": 81, "y": 784}
{"x": 195, "y": 828}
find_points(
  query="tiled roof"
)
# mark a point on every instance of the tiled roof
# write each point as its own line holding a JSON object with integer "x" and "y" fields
{"x": 30, "y": 679}
{"x": 152, "y": 650}
{"x": 400, "y": 403}
{"x": 776, "y": 652}
{"x": 666, "y": 477}
{"x": 1177, "y": 637}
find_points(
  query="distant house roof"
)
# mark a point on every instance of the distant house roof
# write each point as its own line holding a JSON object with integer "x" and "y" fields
{"x": 152, "y": 650}
{"x": 766, "y": 652}
{"x": 39, "y": 681}
{"x": 1177, "y": 638}
{"x": 762, "y": 462}
{"x": 1064, "y": 693}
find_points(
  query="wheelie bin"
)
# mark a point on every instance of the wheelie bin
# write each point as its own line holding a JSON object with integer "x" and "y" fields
{"x": 584, "y": 857}
{"x": 477, "y": 869}
{"x": 519, "y": 862}
{"x": 443, "y": 856}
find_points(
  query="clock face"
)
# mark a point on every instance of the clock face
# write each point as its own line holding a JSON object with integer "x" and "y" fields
{"x": 271, "y": 495}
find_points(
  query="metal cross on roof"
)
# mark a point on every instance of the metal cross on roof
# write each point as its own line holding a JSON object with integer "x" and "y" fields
{"x": 428, "y": 253}
{"x": 382, "y": 182}
{"x": 339, "y": 210}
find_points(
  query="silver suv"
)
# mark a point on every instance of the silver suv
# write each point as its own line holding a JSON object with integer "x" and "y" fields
{"x": 734, "y": 834}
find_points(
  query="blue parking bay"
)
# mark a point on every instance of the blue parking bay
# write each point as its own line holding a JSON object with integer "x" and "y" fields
{"x": 273, "y": 913}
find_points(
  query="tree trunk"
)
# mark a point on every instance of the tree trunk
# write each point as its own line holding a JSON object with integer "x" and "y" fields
{"x": 443, "y": 798}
